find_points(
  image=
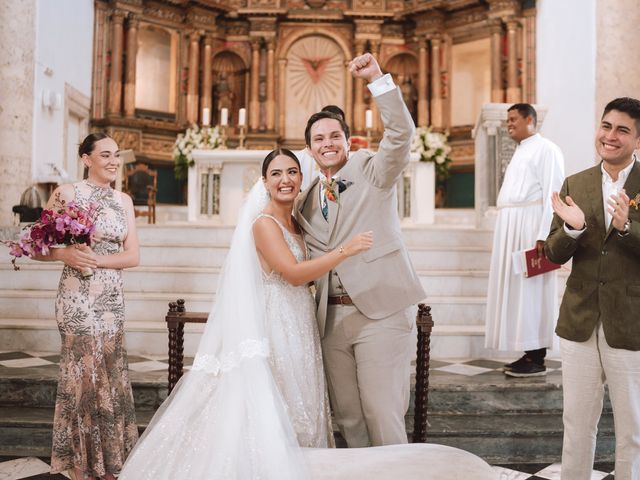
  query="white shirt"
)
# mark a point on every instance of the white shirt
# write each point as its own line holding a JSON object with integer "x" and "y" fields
{"x": 609, "y": 187}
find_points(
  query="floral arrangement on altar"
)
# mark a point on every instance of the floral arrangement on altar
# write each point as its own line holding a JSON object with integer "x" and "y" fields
{"x": 193, "y": 137}
{"x": 68, "y": 225}
{"x": 433, "y": 147}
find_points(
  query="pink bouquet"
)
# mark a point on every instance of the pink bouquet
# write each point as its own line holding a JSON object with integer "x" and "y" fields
{"x": 68, "y": 225}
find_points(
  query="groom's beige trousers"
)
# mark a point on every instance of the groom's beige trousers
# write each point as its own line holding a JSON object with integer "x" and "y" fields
{"x": 368, "y": 370}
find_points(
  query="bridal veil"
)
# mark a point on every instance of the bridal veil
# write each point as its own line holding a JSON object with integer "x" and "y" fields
{"x": 225, "y": 419}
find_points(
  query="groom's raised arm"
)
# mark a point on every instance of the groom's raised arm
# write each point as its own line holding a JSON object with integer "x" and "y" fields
{"x": 384, "y": 168}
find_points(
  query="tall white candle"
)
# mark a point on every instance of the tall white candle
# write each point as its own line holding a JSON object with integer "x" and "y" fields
{"x": 224, "y": 117}
{"x": 206, "y": 117}
{"x": 242, "y": 117}
{"x": 368, "y": 119}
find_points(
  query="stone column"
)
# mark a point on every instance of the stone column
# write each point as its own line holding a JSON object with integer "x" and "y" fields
{"x": 205, "y": 95}
{"x": 377, "y": 122}
{"x": 358, "y": 100}
{"x": 271, "y": 85}
{"x": 497, "y": 92}
{"x": 423, "y": 105}
{"x": 115, "y": 75}
{"x": 282, "y": 69}
{"x": 254, "y": 93}
{"x": 130, "y": 68}
{"x": 436, "y": 86}
{"x": 513, "y": 89}
{"x": 192, "y": 79}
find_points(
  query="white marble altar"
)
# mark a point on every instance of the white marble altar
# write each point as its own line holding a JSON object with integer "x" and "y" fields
{"x": 220, "y": 180}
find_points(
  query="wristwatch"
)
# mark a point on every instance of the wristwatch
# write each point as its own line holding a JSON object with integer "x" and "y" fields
{"x": 625, "y": 230}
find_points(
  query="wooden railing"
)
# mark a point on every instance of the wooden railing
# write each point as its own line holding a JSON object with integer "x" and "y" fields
{"x": 178, "y": 316}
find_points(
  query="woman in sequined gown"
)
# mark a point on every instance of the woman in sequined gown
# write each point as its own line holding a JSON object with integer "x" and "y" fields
{"x": 256, "y": 391}
{"x": 94, "y": 425}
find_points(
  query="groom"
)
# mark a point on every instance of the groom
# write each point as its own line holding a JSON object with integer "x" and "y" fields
{"x": 365, "y": 313}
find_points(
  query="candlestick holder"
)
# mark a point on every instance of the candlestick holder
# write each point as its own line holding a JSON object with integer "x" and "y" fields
{"x": 241, "y": 138}
{"x": 223, "y": 137}
{"x": 368, "y": 137}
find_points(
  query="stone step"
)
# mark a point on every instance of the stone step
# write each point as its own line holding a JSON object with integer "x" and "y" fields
{"x": 192, "y": 233}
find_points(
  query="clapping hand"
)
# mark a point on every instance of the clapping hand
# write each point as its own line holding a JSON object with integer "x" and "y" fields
{"x": 618, "y": 205}
{"x": 365, "y": 67}
{"x": 569, "y": 211}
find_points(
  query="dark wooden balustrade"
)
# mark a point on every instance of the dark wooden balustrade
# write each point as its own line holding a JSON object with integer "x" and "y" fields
{"x": 178, "y": 316}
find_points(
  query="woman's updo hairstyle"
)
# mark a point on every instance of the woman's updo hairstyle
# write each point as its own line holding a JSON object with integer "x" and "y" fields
{"x": 89, "y": 143}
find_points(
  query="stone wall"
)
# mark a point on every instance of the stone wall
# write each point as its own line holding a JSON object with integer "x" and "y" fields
{"x": 17, "y": 50}
{"x": 618, "y": 58}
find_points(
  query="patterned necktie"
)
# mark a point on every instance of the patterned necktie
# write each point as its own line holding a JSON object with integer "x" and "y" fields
{"x": 325, "y": 206}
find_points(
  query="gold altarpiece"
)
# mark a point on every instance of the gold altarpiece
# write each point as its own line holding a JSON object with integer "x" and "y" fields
{"x": 158, "y": 64}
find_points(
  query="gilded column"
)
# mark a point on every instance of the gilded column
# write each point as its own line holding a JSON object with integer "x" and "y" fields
{"x": 254, "y": 93}
{"x": 436, "y": 85}
{"x": 282, "y": 68}
{"x": 497, "y": 92}
{"x": 115, "y": 74}
{"x": 513, "y": 89}
{"x": 192, "y": 79}
{"x": 423, "y": 105}
{"x": 207, "y": 86}
{"x": 130, "y": 68}
{"x": 377, "y": 123}
{"x": 358, "y": 101}
{"x": 271, "y": 85}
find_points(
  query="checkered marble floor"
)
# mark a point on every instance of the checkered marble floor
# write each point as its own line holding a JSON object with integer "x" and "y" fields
{"x": 38, "y": 469}
{"x": 465, "y": 367}
{"x": 155, "y": 368}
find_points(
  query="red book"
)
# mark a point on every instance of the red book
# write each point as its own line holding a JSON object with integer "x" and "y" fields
{"x": 535, "y": 265}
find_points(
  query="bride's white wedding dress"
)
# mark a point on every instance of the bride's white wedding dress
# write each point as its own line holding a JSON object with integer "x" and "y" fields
{"x": 256, "y": 390}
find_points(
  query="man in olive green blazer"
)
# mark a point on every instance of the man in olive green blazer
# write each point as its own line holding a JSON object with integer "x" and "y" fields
{"x": 364, "y": 305}
{"x": 597, "y": 224}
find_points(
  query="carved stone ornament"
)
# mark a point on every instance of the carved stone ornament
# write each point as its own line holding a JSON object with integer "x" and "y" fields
{"x": 316, "y": 3}
{"x": 126, "y": 139}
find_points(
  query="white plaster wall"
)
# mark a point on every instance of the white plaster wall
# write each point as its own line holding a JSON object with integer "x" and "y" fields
{"x": 566, "y": 77}
{"x": 64, "y": 45}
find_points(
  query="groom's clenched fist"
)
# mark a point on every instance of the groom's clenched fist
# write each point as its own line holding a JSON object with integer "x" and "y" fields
{"x": 365, "y": 67}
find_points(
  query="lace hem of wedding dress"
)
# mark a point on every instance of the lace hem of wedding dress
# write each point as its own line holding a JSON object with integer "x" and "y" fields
{"x": 246, "y": 349}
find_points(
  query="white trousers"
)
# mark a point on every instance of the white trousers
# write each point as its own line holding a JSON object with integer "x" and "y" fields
{"x": 586, "y": 366}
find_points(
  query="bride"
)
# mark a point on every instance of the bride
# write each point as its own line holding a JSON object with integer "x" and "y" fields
{"x": 256, "y": 392}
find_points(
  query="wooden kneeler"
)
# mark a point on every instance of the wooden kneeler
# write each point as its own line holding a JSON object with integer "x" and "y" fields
{"x": 177, "y": 316}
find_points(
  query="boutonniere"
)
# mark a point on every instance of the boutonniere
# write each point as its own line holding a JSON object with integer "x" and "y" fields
{"x": 635, "y": 201}
{"x": 333, "y": 187}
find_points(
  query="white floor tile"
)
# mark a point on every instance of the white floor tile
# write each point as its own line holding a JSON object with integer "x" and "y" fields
{"x": 460, "y": 369}
{"x": 42, "y": 354}
{"x": 25, "y": 362}
{"x": 552, "y": 472}
{"x": 149, "y": 366}
{"x": 22, "y": 468}
{"x": 508, "y": 474}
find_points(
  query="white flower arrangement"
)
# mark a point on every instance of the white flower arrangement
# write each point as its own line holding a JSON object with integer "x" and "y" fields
{"x": 194, "y": 137}
{"x": 433, "y": 147}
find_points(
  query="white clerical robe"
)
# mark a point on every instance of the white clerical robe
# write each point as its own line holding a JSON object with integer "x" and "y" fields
{"x": 521, "y": 312}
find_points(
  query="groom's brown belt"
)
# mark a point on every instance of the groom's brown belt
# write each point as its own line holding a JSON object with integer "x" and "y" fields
{"x": 340, "y": 300}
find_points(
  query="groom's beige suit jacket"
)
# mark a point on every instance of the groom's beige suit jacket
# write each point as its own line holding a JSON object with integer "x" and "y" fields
{"x": 381, "y": 281}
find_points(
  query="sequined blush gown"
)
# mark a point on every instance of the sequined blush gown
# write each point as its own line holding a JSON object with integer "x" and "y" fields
{"x": 94, "y": 425}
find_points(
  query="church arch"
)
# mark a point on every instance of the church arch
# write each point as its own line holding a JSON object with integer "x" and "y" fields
{"x": 404, "y": 68}
{"x": 312, "y": 72}
{"x": 229, "y": 90}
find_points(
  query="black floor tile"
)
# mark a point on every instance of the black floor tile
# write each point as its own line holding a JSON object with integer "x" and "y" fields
{"x": 14, "y": 355}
